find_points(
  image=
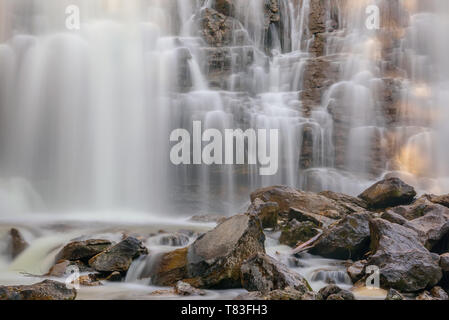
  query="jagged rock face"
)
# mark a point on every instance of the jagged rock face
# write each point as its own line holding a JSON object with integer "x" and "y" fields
{"x": 349, "y": 239}
{"x": 215, "y": 258}
{"x": 264, "y": 274}
{"x": 46, "y": 290}
{"x": 388, "y": 193}
{"x": 405, "y": 264}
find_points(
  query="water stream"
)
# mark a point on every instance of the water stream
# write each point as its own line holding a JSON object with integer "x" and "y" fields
{"x": 86, "y": 114}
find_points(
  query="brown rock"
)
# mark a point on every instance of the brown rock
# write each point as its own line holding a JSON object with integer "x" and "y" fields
{"x": 82, "y": 250}
{"x": 45, "y": 290}
{"x": 387, "y": 193}
{"x": 17, "y": 244}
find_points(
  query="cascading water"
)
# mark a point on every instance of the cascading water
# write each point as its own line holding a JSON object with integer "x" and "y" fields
{"x": 86, "y": 114}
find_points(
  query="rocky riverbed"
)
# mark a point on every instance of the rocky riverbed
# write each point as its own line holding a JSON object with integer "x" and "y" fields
{"x": 288, "y": 245}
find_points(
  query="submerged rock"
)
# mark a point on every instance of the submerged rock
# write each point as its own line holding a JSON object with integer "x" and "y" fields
{"x": 83, "y": 250}
{"x": 268, "y": 212}
{"x": 405, "y": 264}
{"x": 349, "y": 239}
{"x": 45, "y": 290}
{"x": 263, "y": 273}
{"x": 387, "y": 193}
{"x": 17, "y": 243}
{"x": 215, "y": 258}
{"x": 297, "y": 232}
{"x": 118, "y": 257}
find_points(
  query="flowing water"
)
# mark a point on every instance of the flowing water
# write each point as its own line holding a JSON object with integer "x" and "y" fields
{"x": 86, "y": 114}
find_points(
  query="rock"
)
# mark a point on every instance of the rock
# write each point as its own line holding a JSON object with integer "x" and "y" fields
{"x": 439, "y": 293}
{"x": 215, "y": 258}
{"x": 425, "y": 296}
{"x": 394, "y": 295}
{"x": 174, "y": 240}
{"x": 310, "y": 202}
{"x": 114, "y": 277}
{"x": 432, "y": 228}
{"x": 60, "y": 268}
{"x": 334, "y": 292}
{"x": 356, "y": 271}
{"x": 393, "y": 217}
{"x": 219, "y": 30}
{"x": 185, "y": 289}
{"x": 297, "y": 232}
{"x": 387, "y": 193}
{"x": 266, "y": 211}
{"x": 82, "y": 250}
{"x": 17, "y": 243}
{"x": 404, "y": 263}
{"x": 118, "y": 257}
{"x": 263, "y": 273}
{"x": 89, "y": 280}
{"x": 225, "y": 7}
{"x": 278, "y": 295}
{"x": 349, "y": 239}
{"x": 317, "y": 219}
{"x": 414, "y": 211}
{"x": 45, "y": 290}
{"x": 442, "y": 200}
{"x": 444, "y": 262}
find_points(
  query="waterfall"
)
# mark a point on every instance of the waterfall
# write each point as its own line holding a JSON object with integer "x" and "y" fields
{"x": 86, "y": 115}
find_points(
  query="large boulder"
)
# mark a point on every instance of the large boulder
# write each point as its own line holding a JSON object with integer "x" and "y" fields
{"x": 295, "y": 232}
{"x": 415, "y": 210}
{"x": 442, "y": 200}
{"x": 17, "y": 243}
{"x": 404, "y": 263}
{"x": 45, "y": 290}
{"x": 264, "y": 274}
{"x": 388, "y": 193}
{"x": 215, "y": 258}
{"x": 287, "y": 197}
{"x": 118, "y": 257}
{"x": 268, "y": 212}
{"x": 82, "y": 250}
{"x": 349, "y": 239}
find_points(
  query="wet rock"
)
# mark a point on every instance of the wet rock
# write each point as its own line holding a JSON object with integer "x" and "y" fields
{"x": 297, "y": 232}
{"x": 414, "y": 211}
{"x": 83, "y": 250}
{"x": 310, "y": 202}
{"x": 219, "y": 30}
{"x": 394, "y": 295}
{"x": 278, "y": 295}
{"x": 349, "y": 239}
{"x": 432, "y": 228}
{"x": 319, "y": 220}
{"x": 404, "y": 263}
{"x": 118, "y": 257}
{"x": 215, "y": 258}
{"x": 113, "y": 277}
{"x": 356, "y": 271}
{"x": 442, "y": 200}
{"x": 334, "y": 292}
{"x": 60, "y": 269}
{"x": 444, "y": 262}
{"x": 185, "y": 289}
{"x": 439, "y": 293}
{"x": 225, "y": 7}
{"x": 263, "y": 273}
{"x": 89, "y": 280}
{"x": 393, "y": 217}
{"x": 268, "y": 212}
{"x": 45, "y": 290}
{"x": 17, "y": 243}
{"x": 387, "y": 193}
